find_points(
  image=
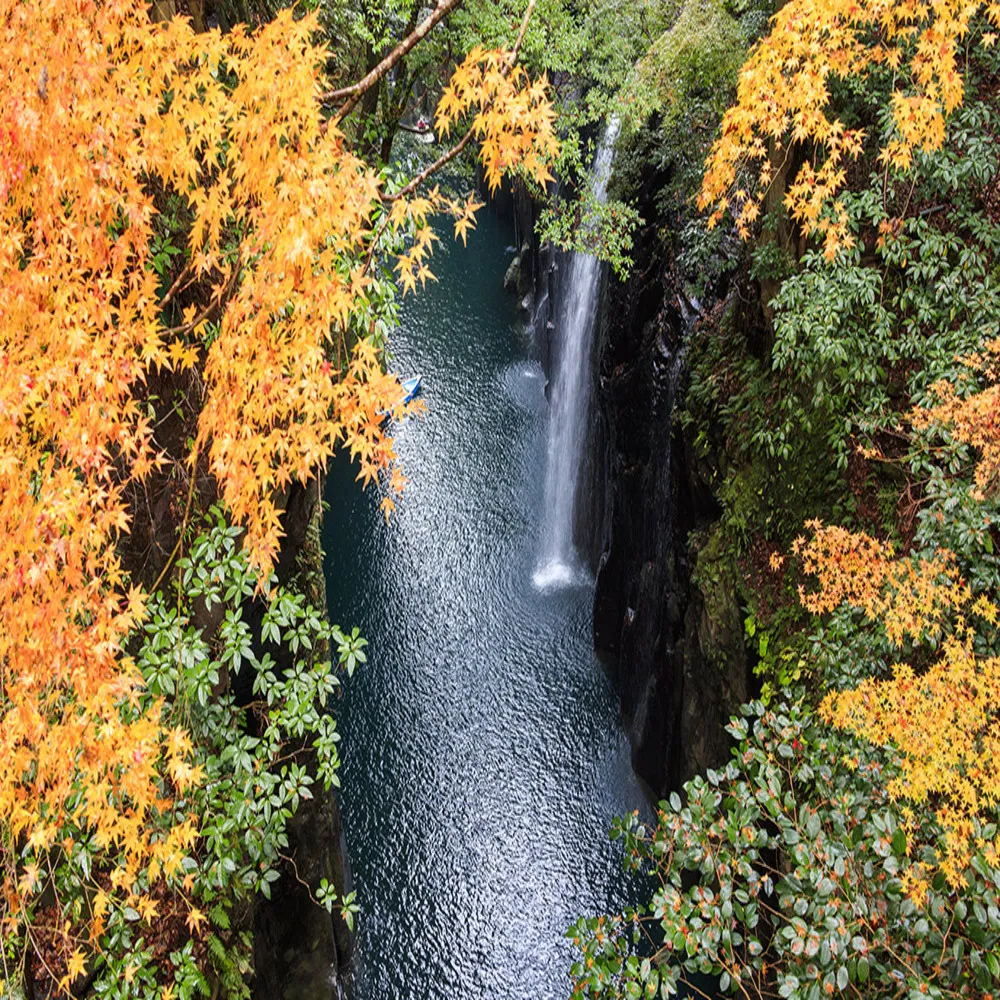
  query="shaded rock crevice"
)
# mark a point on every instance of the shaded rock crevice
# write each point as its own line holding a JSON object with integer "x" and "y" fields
{"x": 302, "y": 952}
{"x": 668, "y": 620}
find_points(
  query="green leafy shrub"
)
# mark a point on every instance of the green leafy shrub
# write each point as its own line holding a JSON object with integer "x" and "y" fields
{"x": 252, "y": 764}
{"x": 786, "y": 874}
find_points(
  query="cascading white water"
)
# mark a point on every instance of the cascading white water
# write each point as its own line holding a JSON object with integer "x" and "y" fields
{"x": 558, "y": 563}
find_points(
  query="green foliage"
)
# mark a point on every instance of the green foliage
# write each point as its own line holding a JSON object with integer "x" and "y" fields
{"x": 780, "y": 664}
{"x": 875, "y": 328}
{"x": 792, "y": 871}
{"x": 589, "y": 50}
{"x": 731, "y": 397}
{"x": 360, "y": 23}
{"x": 689, "y": 71}
{"x": 770, "y": 262}
{"x": 855, "y": 343}
{"x": 258, "y": 762}
{"x": 670, "y": 103}
{"x": 786, "y": 873}
{"x": 592, "y": 227}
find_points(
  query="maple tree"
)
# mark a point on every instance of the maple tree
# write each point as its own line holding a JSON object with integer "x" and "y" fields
{"x": 565, "y": 42}
{"x": 784, "y": 97}
{"x": 941, "y": 718}
{"x": 108, "y": 119}
{"x": 910, "y": 598}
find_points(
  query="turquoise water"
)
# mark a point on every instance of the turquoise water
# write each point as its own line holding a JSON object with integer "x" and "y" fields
{"x": 483, "y": 758}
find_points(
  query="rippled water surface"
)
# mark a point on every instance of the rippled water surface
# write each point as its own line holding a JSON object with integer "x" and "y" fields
{"x": 483, "y": 757}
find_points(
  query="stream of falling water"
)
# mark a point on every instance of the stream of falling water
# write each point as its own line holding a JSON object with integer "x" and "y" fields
{"x": 483, "y": 755}
{"x": 558, "y": 563}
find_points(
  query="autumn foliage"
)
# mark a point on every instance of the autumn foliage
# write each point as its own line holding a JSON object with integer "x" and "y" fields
{"x": 105, "y": 117}
{"x": 910, "y": 598}
{"x": 941, "y": 719}
{"x": 513, "y": 118}
{"x": 973, "y": 419}
{"x": 784, "y": 99}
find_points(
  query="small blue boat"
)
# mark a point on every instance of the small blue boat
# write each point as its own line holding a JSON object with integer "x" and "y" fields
{"x": 411, "y": 386}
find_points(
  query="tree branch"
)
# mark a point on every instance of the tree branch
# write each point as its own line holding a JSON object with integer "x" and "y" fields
{"x": 351, "y": 94}
{"x": 432, "y": 169}
{"x": 467, "y": 138}
{"x": 520, "y": 35}
{"x": 217, "y": 300}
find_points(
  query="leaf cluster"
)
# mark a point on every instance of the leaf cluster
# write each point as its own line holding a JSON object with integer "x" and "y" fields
{"x": 787, "y": 874}
{"x": 234, "y": 772}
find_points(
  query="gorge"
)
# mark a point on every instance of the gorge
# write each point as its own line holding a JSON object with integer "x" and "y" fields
{"x": 483, "y": 756}
{"x": 713, "y": 524}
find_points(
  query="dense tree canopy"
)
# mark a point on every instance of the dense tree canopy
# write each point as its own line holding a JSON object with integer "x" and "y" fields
{"x": 178, "y": 209}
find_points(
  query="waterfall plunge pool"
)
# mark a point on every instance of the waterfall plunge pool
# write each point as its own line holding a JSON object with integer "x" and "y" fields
{"x": 483, "y": 757}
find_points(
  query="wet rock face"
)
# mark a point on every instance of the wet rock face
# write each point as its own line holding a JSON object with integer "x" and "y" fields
{"x": 513, "y": 278}
{"x": 301, "y": 951}
{"x": 667, "y": 618}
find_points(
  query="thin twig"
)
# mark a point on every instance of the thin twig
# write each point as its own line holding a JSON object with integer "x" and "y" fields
{"x": 432, "y": 169}
{"x": 467, "y": 138}
{"x": 217, "y": 300}
{"x": 520, "y": 35}
{"x": 175, "y": 287}
{"x": 184, "y": 525}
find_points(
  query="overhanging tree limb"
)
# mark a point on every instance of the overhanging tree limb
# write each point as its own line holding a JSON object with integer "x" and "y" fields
{"x": 446, "y": 158}
{"x": 351, "y": 94}
{"x": 433, "y": 168}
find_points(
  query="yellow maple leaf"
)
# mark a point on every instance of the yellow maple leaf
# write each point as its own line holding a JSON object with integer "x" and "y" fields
{"x": 195, "y": 919}
{"x": 76, "y": 965}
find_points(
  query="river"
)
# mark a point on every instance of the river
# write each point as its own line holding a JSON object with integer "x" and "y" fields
{"x": 483, "y": 757}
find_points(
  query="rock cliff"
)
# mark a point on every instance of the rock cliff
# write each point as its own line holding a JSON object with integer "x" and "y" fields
{"x": 301, "y": 951}
{"x": 667, "y": 615}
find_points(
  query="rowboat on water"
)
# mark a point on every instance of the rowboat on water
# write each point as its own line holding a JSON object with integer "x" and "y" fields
{"x": 411, "y": 386}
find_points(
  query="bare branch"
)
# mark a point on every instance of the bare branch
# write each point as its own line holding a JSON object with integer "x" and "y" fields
{"x": 351, "y": 94}
{"x": 467, "y": 138}
{"x": 520, "y": 35}
{"x": 432, "y": 169}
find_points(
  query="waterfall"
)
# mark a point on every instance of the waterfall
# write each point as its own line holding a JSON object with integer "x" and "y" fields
{"x": 558, "y": 563}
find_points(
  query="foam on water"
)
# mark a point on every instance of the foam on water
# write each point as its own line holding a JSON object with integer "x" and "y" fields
{"x": 555, "y": 574}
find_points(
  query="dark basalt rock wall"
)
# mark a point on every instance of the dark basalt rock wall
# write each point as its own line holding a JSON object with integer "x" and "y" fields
{"x": 667, "y": 618}
{"x": 300, "y": 951}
